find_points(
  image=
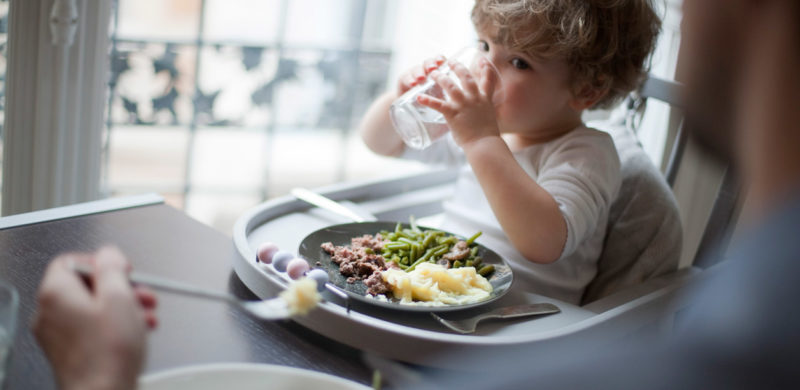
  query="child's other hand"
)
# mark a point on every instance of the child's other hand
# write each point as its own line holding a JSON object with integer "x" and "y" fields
{"x": 417, "y": 74}
{"x": 469, "y": 111}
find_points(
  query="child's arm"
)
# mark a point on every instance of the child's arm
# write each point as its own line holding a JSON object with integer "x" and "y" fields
{"x": 376, "y": 128}
{"x": 528, "y": 214}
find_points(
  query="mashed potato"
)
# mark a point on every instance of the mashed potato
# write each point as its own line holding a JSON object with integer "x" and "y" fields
{"x": 301, "y": 296}
{"x": 432, "y": 284}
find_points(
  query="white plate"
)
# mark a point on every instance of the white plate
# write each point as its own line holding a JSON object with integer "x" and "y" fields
{"x": 243, "y": 376}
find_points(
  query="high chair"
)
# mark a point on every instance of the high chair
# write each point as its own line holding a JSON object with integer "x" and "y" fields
{"x": 636, "y": 301}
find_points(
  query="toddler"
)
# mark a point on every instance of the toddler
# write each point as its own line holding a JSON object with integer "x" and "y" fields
{"x": 535, "y": 179}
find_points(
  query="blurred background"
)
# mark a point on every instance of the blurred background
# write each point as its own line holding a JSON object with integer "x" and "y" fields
{"x": 219, "y": 105}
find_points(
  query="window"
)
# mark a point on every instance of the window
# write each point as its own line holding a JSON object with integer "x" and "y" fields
{"x": 219, "y": 105}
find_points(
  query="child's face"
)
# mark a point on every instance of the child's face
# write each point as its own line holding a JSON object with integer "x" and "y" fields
{"x": 537, "y": 91}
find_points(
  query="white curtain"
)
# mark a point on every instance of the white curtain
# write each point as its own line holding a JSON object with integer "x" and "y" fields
{"x": 55, "y": 101}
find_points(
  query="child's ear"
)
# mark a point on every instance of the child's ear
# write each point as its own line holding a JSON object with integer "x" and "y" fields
{"x": 586, "y": 98}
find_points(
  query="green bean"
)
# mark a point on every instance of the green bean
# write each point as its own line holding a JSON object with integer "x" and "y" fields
{"x": 406, "y": 240}
{"x": 405, "y": 235}
{"x": 443, "y": 249}
{"x": 413, "y": 222}
{"x": 411, "y": 246}
{"x": 476, "y": 262}
{"x": 427, "y": 255}
{"x": 416, "y": 263}
{"x": 447, "y": 240}
{"x": 474, "y": 236}
{"x": 486, "y": 270}
{"x": 396, "y": 245}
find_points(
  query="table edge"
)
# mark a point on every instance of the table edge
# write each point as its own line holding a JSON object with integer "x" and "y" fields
{"x": 80, "y": 209}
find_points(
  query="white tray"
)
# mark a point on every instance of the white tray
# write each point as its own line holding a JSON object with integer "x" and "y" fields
{"x": 410, "y": 337}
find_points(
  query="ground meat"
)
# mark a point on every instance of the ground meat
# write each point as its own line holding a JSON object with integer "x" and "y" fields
{"x": 376, "y": 285}
{"x": 360, "y": 260}
{"x": 459, "y": 251}
{"x": 368, "y": 241}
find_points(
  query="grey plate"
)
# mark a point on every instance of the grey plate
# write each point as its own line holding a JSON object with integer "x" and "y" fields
{"x": 340, "y": 235}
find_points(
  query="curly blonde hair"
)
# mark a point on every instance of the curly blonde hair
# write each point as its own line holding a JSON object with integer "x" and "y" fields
{"x": 606, "y": 43}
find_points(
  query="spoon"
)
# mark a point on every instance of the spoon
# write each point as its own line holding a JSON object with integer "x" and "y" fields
{"x": 329, "y": 204}
{"x": 270, "y": 309}
{"x": 468, "y": 325}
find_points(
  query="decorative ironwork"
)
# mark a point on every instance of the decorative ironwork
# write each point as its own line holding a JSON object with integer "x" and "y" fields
{"x": 242, "y": 85}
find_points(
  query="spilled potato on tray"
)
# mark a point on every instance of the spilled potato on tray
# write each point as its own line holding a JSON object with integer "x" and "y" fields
{"x": 301, "y": 296}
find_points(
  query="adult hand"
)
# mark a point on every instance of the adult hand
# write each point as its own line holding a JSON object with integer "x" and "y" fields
{"x": 93, "y": 332}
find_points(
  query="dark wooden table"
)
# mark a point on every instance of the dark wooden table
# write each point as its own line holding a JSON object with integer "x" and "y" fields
{"x": 161, "y": 240}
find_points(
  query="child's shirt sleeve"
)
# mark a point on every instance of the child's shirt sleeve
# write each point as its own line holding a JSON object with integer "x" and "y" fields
{"x": 582, "y": 173}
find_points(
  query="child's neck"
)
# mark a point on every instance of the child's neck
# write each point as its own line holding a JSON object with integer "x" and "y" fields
{"x": 519, "y": 141}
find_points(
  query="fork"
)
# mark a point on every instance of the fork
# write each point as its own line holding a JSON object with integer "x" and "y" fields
{"x": 270, "y": 309}
{"x": 468, "y": 325}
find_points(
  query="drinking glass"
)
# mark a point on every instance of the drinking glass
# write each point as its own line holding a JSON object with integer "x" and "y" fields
{"x": 9, "y": 301}
{"x": 420, "y": 125}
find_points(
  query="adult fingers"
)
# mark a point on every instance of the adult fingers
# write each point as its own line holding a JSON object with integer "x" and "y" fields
{"x": 61, "y": 295}
{"x": 110, "y": 273}
{"x": 151, "y": 319}
{"x": 146, "y": 297}
{"x": 148, "y": 301}
{"x": 62, "y": 283}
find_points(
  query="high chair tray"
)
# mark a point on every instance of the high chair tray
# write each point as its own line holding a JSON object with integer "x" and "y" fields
{"x": 408, "y": 336}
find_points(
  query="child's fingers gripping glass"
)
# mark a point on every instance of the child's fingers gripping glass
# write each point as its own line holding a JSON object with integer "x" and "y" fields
{"x": 465, "y": 77}
{"x": 451, "y": 89}
{"x": 490, "y": 81}
{"x": 435, "y": 103}
{"x": 405, "y": 82}
{"x": 433, "y": 63}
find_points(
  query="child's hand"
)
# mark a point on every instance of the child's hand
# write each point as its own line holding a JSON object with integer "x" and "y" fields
{"x": 469, "y": 112}
{"x": 417, "y": 74}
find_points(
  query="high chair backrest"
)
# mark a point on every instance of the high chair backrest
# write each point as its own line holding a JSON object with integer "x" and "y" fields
{"x": 644, "y": 235}
{"x": 720, "y": 221}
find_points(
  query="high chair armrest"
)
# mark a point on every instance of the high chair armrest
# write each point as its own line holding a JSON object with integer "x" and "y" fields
{"x": 677, "y": 279}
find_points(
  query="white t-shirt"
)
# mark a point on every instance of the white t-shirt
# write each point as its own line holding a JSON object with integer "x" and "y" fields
{"x": 581, "y": 170}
